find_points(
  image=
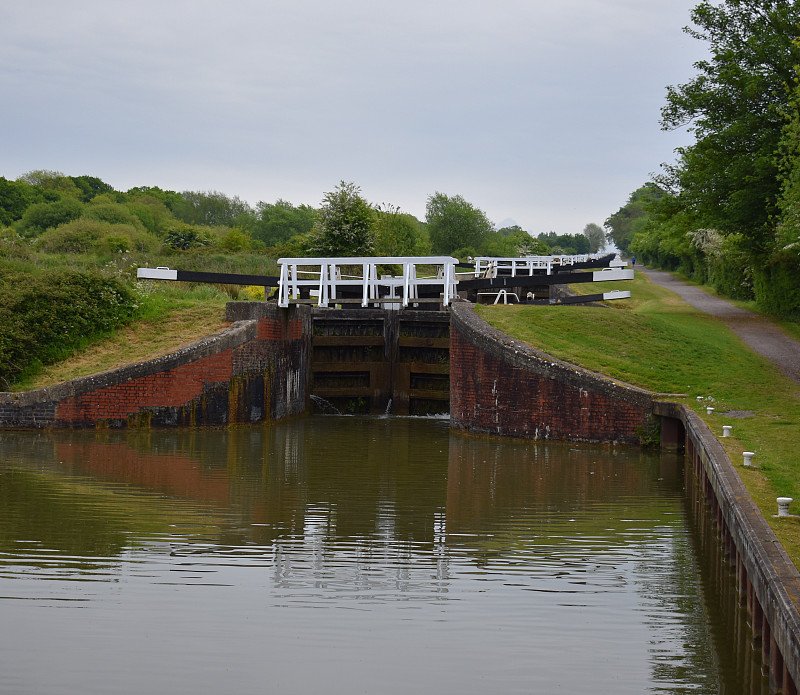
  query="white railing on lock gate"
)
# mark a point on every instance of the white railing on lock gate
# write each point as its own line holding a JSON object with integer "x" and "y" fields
{"x": 491, "y": 266}
{"x": 325, "y": 277}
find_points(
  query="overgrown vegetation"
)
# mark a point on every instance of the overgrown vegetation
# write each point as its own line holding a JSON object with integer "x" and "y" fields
{"x": 726, "y": 213}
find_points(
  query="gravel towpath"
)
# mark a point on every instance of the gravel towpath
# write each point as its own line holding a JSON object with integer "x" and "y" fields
{"x": 759, "y": 333}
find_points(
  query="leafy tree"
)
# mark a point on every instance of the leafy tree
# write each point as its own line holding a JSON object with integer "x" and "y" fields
{"x": 210, "y": 208}
{"x": 632, "y": 217}
{"x": 235, "y": 240}
{"x": 184, "y": 237}
{"x": 170, "y": 199}
{"x": 91, "y": 186}
{"x": 41, "y": 216}
{"x": 278, "y": 222}
{"x": 512, "y": 241}
{"x": 104, "y": 209}
{"x": 344, "y": 225}
{"x": 453, "y": 224}
{"x": 565, "y": 243}
{"x": 151, "y": 211}
{"x": 53, "y": 181}
{"x": 15, "y": 198}
{"x": 596, "y": 236}
{"x": 734, "y": 106}
{"x": 398, "y": 233}
{"x": 788, "y": 232}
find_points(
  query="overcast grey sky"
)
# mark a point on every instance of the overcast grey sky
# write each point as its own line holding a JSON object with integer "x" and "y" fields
{"x": 541, "y": 111}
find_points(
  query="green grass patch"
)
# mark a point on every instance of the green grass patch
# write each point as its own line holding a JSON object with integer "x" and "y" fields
{"x": 657, "y": 342}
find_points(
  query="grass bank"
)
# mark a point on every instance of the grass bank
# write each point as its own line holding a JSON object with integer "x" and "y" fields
{"x": 172, "y": 318}
{"x": 656, "y": 341}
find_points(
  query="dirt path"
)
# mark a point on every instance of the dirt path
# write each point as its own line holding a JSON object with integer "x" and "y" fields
{"x": 758, "y": 332}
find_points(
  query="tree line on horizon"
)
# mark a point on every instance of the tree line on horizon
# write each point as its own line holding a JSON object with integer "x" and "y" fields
{"x": 55, "y": 213}
{"x": 727, "y": 212}
{"x": 70, "y": 247}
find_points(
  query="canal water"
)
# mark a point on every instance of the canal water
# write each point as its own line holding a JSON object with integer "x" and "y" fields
{"x": 345, "y": 555}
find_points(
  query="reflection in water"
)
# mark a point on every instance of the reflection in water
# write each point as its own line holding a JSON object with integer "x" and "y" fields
{"x": 350, "y": 555}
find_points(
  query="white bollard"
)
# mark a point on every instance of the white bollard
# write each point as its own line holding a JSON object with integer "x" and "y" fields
{"x": 748, "y": 457}
{"x": 709, "y": 410}
{"x": 726, "y": 430}
{"x": 783, "y": 505}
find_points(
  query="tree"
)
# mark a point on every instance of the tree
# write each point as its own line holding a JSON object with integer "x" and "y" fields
{"x": 565, "y": 243}
{"x": 41, "y": 216}
{"x": 210, "y": 208}
{"x": 632, "y": 217}
{"x": 453, "y": 223}
{"x": 596, "y": 236}
{"x": 734, "y": 106}
{"x": 15, "y": 198}
{"x": 53, "y": 181}
{"x": 788, "y": 231}
{"x": 512, "y": 241}
{"x": 280, "y": 221}
{"x": 344, "y": 225}
{"x": 398, "y": 233}
{"x": 90, "y": 186}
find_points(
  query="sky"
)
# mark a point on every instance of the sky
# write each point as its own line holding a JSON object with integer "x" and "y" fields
{"x": 541, "y": 113}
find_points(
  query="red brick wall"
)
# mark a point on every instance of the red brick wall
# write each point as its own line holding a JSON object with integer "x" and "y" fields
{"x": 176, "y": 387}
{"x": 499, "y": 386}
{"x": 255, "y": 371}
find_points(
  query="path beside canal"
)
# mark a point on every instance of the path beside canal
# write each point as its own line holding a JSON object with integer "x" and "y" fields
{"x": 758, "y": 332}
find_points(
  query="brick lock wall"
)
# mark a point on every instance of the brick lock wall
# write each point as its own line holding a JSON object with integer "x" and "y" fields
{"x": 255, "y": 371}
{"x": 500, "y": 386}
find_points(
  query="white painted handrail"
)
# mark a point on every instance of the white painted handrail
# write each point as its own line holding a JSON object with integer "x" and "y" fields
{"x": 488, "y": 266}
{"x": 328, "y": 278}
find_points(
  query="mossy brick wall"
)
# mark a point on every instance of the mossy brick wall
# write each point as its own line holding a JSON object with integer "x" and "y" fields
{"x": 500, "y": 386}
{"x": 253, "y": 372}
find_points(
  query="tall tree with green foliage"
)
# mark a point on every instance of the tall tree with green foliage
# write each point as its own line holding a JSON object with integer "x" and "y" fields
{"x": 632, "y": 217}
{"x": 211, "y": 208}
{"x": 344, "y": 225}
{"x": 571, "y": 244}
{"x": 398, "y": 233}
{"x": 735, "y": 107}
{"x": 596, "y": 236}
{"x": 280, "y": 221}
{"x": 512, "y": 241}
{"x": 454, "y": 224}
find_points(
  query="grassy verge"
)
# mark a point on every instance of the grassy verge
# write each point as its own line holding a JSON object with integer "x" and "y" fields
{"x": 170, "y": 320}
{"x": 656, "y": 341}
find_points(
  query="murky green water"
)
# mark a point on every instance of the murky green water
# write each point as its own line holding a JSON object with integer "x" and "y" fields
{"x": 352, "y": 555}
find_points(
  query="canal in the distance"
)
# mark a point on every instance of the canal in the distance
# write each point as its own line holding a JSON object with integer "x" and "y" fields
{"x": 345, "y": 555}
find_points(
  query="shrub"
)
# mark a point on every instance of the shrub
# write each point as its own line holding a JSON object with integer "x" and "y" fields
{"x": 114, "y": 213}
{"x": 42, "y": 216}
{"x": 183, "y": 238}
{"x": 46, "y": 317}
{"x": 777, "y": 284}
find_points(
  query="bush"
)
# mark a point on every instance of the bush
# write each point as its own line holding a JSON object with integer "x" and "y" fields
{"x": 78, "y": 236}
{"x": 183, "y": 238}
{"x": 777, "y": 284}
{"x": 729, "y": 269}
{"x": 42, "y": 216}
{"x": 47, "y": 317}
{"x": 114, "y": 213}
